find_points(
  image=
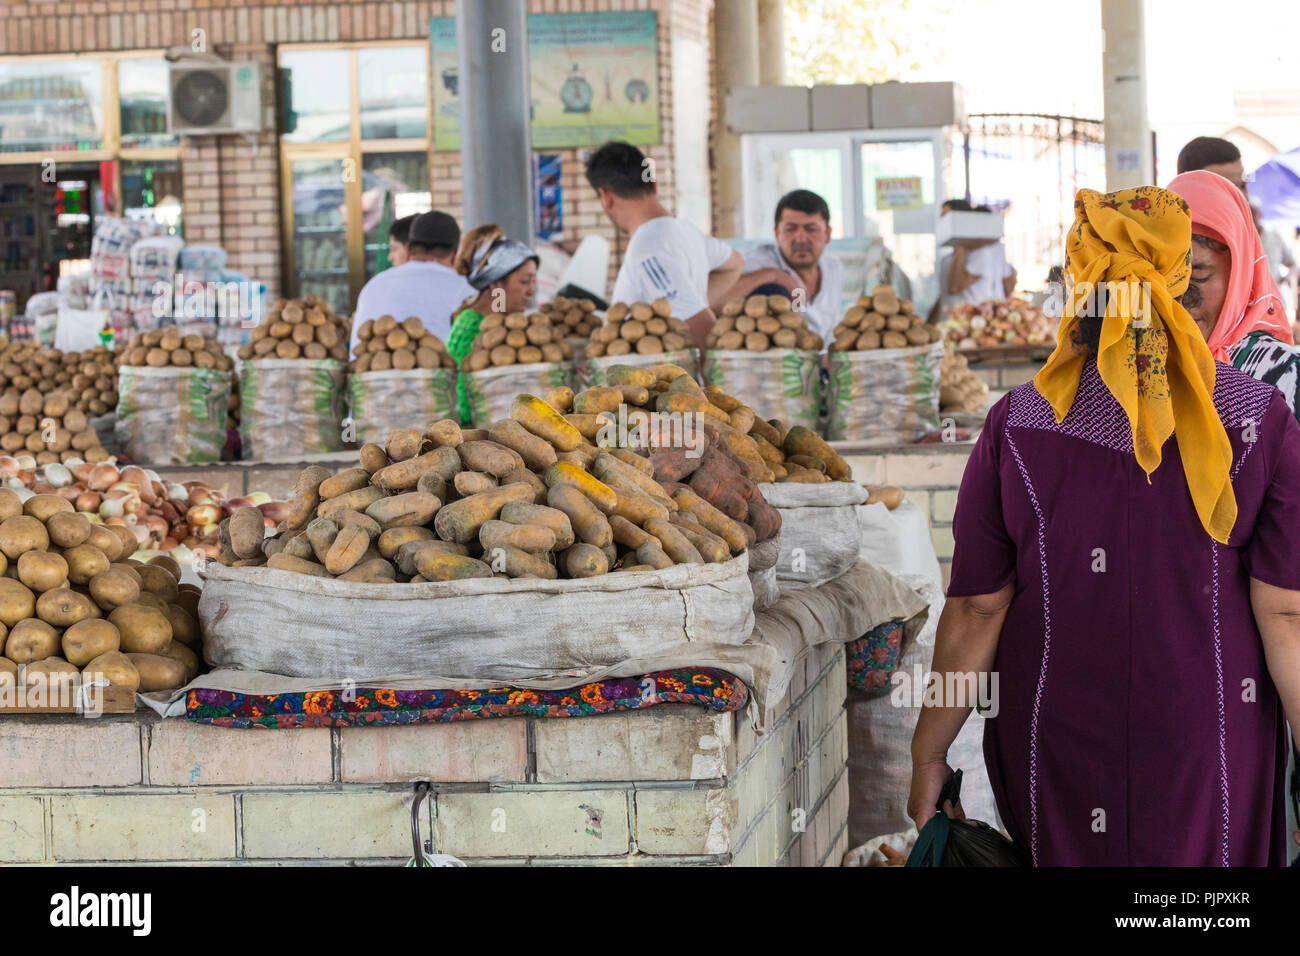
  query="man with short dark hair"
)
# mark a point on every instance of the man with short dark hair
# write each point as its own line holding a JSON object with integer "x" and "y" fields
{"x": 425, "y": 286}
{"x": 1214, "y": 155}
{"x": 794, "y": 266}
{"x": 666, "y": 257}
{"x": 399, "y": 234}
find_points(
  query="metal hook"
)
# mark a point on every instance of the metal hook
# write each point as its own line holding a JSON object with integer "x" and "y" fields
{"x": 421, "y": 791}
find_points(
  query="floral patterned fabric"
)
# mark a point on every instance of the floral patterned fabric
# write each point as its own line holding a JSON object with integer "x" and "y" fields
{"x": 705, "y": 686}
{"x": 873, "y": 658}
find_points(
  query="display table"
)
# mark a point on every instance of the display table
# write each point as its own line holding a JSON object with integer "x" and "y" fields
{"x": 670, "y": 784}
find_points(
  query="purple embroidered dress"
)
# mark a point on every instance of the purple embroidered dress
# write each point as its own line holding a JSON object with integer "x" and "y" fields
{"x": 1138, "y": 724}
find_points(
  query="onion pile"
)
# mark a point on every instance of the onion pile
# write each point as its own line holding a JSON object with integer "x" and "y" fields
{"x": 993, "y": 323}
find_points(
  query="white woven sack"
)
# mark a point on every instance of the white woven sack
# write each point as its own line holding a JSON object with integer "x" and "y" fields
{"x": 492, "y": 390}
{"x": 492, "y": 629}
{"x": 819, "y": 528}
{"x": 592, "y": 371}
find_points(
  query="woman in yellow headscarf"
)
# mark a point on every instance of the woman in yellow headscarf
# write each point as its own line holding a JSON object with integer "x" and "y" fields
{"x": 1124, "y": 566}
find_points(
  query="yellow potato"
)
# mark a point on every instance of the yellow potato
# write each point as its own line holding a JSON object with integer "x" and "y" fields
{"x": 144, "y": 629}
{"x": 86, "y": 640}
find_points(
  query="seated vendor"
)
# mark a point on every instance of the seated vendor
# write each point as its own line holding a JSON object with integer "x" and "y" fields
{"x": 794, "y": 266}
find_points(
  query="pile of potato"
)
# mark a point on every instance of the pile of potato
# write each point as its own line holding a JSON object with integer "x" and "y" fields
{"x": 882, "y": 321}
{"x": 384, "y": 343}
{"x": 644, "y": 328}
{"x": 531, "y": 495}
{"x": 168, "y": 348}
{"x": 89, "y": 378}
{"x": 48, "y": 426}
{"x": 515, "y": 339}
{"x": 570, "y": 317}
{"x": 762, "y": 322}
{"x": 74, "y": 606}
{"x": 299, "y": 329}
{"x": 960, "y": 389}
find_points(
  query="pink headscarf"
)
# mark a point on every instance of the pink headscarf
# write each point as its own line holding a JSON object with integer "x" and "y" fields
{"x": 1252, "y": 304}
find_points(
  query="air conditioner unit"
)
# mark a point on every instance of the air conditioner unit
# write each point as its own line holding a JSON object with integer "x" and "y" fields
{"x": 211, "y": 98}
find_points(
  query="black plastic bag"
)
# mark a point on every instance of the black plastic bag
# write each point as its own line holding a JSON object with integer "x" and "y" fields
{"x": 944, "y": 841}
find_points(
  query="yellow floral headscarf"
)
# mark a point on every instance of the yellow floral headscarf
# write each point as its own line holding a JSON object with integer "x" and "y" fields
{"x": 1136, "y": 243}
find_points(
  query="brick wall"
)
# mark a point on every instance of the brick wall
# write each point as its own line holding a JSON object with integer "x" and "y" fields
{"x": 232, "y": 187}
{"x": 673, "y": 784}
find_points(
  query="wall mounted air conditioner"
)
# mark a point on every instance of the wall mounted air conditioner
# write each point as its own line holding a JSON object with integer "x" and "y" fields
{"x": 210, "y": 98}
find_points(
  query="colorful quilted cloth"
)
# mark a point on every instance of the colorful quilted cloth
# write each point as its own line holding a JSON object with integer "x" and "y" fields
{"x": 873, "y": 657}
{"x": 707, "y": 687}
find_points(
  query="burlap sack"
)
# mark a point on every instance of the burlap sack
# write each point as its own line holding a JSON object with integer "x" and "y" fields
{"x": 383, "y": 401}
{"x": 884, "y": 396}
{"x": 290, "y": 409}
{"x": 172, "y": 416}
{"x": 591, "y": 371}
{"x": 781, "y": 383}
{"x": 492, "y": 390}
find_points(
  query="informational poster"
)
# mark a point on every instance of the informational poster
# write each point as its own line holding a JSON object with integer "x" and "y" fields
{"x": 594, "y": 77}
{"x": 899, "y": 192}
{"x": 548, "y": 212}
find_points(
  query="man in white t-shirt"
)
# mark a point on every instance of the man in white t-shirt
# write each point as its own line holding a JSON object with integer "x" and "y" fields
{"x": 424, "y": 286}
{"x": 666, "y": 257}
{"x": 974, "y": 271}
{"x": 794, "y": 265}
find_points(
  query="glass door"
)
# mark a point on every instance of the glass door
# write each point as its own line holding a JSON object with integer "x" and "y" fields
{"x": 318, "y": 198}
{"x": 393, "y": 185}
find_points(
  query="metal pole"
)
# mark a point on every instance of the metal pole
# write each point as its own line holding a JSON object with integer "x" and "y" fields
{"x": 496, "y": 159}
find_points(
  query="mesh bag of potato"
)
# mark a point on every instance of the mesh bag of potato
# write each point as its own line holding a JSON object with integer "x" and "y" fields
{"x": 291, "y": 408}
{"x": 384, "y": 344}
{"x": 762, "y": 322}
{"x": 515, "y": 338}
{"x": 75, "y": 607}
{"x": 172, "y": 416}
{"x": 960, "y": 389}
{"x": 884, "y": 396}
{"x": 382, "y": 401}
{"x": 571, "y": 318}
{"x": 295, "y": 329}
{"x": 641, "y": 334}
{"x": 492, "y": 390}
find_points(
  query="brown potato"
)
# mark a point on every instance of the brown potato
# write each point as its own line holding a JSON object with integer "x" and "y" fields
{"x": 168, "y": 564}
{"x": 31, "y": 640}
{"x": 67, "y": 530}
{"x": 16, "y": 601}
{"x": 185, "y": 625}
{"x": 42, "y": 571}
{"x": 64, "y": 607}
{"x": 86, "y": 640}
{"x": 144, "y": 629}
{"x": 115, "y": 667}
{"x": 179, "y": 652}
{"x": 115, "y": 587}
{"x": 107, "y": 543}
{"x": 158, "y": 672}
{"x": 21, "y": 534}
{"x": 41, "y": 507}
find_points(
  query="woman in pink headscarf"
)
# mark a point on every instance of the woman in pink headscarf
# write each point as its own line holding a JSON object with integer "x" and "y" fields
{"x": 1232, "y": 295}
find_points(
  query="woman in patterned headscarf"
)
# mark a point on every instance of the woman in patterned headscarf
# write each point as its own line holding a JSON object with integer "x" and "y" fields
{"x": 1124, "y": 563}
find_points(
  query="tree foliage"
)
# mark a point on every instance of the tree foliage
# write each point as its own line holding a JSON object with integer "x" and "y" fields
{"x": 860, "y": 41}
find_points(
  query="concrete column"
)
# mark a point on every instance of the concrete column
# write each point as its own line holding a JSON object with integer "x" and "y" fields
{"x": 771, "y": 42}
{"x": 496, "y": 157}
{"x": 1128, "y": 133}
{"x": 735, "y": 42}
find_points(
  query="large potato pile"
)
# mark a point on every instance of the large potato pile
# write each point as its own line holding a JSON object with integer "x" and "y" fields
{"x": 647, "y": 328}
{"x": 89, "y": 378}
{"x": 168, "y": 348}
{"x": 882, "y": 321}
{"x": 960, "y": 389}
{"x": 762, "y": 322}
{"x": 515, "y": 339}
{"x": 570, "y": 317}
{"x": 384, "y": 343}
{"x": 73, "y": 604}
{"x": 49, "y": 426}
{"x": 299, "y": 329}
{"x": 532, "y": 495}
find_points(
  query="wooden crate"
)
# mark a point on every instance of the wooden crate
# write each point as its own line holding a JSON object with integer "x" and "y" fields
{"x": 114, "y": 700}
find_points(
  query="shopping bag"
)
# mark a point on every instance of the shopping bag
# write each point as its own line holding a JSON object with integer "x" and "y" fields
{"x": 947, "y": 842}
{"x": 78, "y": 329}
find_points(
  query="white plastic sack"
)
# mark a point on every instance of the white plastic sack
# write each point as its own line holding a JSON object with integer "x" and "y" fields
{"x": 290, "y": 408}
{"x": 78, "y": 329}
{"x": 591, "y": 371}
{"x": 819, "y": 528}
{"x": 780, "y": 383}
{"x": 490, "y": 629}
{"x": 884, "y": 396}
{"x": 899, "y": 540}
{"x": 172, "y": 416}
{"x": 491, "y": 391}
{"x": 383, "y": 401}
